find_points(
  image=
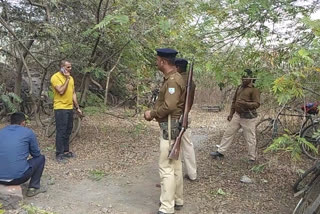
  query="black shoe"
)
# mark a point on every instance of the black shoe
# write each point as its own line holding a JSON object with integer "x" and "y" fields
{"x": 69, "y": 155}
{"x": 160, "y": 212}
{"x": 178, "y": 207}
{"x": 252, "y": 161}
{"x": 33, "y": 192}
{"x": 61, "y": 159}
{"x": 216, "y": 154}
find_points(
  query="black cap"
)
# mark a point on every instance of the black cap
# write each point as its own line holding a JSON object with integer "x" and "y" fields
{"x": 181, "y": 62}
{"x": 166, "y": 52}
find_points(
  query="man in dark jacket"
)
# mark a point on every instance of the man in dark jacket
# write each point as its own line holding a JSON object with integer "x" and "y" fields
{"x": 243, "y": 115}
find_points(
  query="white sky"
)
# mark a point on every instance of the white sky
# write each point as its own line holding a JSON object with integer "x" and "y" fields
{"x": 315, "y": 15}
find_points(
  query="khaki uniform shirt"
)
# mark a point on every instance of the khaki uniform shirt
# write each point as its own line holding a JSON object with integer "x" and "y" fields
{"x": 171, "y": 98}
{"x": 192, "y": 89}
{"x": 245, "y": 100}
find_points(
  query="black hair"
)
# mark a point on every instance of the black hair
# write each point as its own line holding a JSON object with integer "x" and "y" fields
{"x": 181, "y": 68}
{"x": 248, "y": 72}
{"x": 17, "y": 118}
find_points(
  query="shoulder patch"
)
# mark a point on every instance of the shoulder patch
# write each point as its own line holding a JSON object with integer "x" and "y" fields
{"x": 171, "y": 90}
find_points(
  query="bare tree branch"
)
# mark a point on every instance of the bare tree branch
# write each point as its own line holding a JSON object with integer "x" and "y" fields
{"x": 22, "y": 58}
{"x": 96, "y": 83}
{"x": 108, "y": 79}
{"x": 45, "y": 7}
{"x": 4, "y": 23}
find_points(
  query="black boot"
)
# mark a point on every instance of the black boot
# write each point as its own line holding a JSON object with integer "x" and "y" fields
{"x": 216, "y": 155}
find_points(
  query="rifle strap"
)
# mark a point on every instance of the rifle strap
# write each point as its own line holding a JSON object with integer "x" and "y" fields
{"x": 169, "y": 128}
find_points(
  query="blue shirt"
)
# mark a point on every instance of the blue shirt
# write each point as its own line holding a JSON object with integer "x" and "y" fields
{"x": 16, "y": 143}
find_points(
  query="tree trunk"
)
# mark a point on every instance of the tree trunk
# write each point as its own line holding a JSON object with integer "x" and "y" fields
{"x": 107, "y": 87}
{"x": 18, "y": 80}
{"x": 85, "y": 89}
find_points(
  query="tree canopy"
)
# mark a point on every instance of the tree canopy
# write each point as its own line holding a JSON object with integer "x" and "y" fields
{"x": 116, "y": 39}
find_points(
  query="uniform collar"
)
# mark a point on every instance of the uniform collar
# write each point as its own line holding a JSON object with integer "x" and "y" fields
{"x": 172, "y": 71}
{"x": 250, "y": 85}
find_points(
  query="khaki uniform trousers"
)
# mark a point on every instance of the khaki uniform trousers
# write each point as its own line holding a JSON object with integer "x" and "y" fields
{"x": 188, "y": 154}
{"x": 171, "y": 179}
{"x": 249, "y": 133}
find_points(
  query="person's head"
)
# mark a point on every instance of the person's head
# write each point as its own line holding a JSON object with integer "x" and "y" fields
{"x": 181, "y": 65}
{"x": 166, "y": 58}
{"x": 66, "y": 65}
{"x": 18, "y": 118}
{"x": 246, "y": 77}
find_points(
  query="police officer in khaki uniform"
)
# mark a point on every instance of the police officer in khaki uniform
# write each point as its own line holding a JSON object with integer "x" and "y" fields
{"x": 169, "y": 104}
{"x": 243, "y": 115}
{"x": 187, "y": 148}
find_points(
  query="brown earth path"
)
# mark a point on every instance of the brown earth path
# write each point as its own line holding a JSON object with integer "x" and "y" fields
{"x": 126, "y": 153}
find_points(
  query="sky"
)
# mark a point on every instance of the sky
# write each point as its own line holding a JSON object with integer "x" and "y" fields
{"x": 314, "y": 16}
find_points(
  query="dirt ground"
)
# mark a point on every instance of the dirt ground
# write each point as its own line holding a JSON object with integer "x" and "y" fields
{"x": 116, "y": 171}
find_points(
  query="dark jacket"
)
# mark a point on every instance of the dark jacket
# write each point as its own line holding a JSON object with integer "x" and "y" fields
{"x": 245, "y": 101}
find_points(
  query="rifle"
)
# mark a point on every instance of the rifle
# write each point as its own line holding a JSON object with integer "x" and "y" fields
{"x": 174, "y": 152}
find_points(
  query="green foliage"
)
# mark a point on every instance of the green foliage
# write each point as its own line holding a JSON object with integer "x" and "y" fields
{"x": 290, "y": 144}
{"x": 92, "y": 110}
{"x": 96, "y": 175}
{"x": 287, "y": 88}
{"x": 258, "y": 168}
{"x": 94, "y": 104}
{"x": 225, "y": 37}
{"x": 9, "y": 99}
{"x": 94, "y": 100}
{"x": 31, "y": 209}
{"x": 138, "y": 129}
{"x": 1, "y": 210}
{"x": 49, "y": 148}
{"x": 217, "y": 192}
{"x": 119, "y": 19}
{"x": 50, "y": 94}
{"x": 220, "y": 192}
{"x": 316, "y": 134}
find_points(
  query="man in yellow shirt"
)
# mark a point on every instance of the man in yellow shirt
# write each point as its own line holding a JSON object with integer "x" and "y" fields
{"x": 64, "y": 100}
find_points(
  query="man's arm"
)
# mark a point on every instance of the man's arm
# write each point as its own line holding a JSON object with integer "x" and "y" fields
{"x": 75, "y": 102}
{"x": 61, "y": 89}
{"x": 233, "y": 109}
{"x": 33, "y": 145}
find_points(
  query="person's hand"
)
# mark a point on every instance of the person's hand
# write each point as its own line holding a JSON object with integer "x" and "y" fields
{"x": 147, "y": 115}
{"x": 79, "y": 111}
{"x": 67, "y": 74}
{"x": 242, "y": 102}
{"x": 229, "y": 118}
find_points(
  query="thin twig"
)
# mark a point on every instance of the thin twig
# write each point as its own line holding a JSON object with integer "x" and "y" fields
{"x": 4, "y": 23}
{"x": 310, "y": 90}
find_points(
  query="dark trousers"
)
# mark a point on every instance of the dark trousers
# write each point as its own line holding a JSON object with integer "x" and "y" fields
{"x": 64, "y": 124}
{"x": 34, "y": 172}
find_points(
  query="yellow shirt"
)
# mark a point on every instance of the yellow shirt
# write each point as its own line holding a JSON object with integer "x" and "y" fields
{"x": 63, "y": 101}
